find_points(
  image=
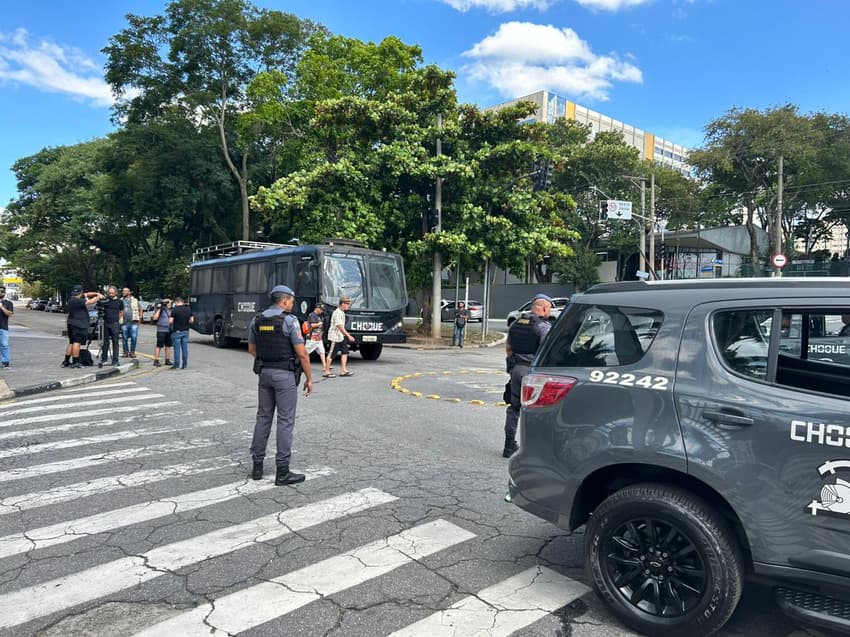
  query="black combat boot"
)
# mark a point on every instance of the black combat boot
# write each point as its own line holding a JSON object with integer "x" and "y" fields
{"x": 285, "y": 476}
{"x": 257, "y": 471}
{"x": 510, "y": 447}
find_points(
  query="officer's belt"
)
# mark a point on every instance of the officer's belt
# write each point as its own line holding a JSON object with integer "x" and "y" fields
{"x": 288, "y": 364}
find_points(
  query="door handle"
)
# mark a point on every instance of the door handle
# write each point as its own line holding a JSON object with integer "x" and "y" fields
{"x": 725, "y": 418}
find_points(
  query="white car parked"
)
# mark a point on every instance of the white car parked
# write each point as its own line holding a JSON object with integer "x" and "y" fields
{"x": 558, "y": 304}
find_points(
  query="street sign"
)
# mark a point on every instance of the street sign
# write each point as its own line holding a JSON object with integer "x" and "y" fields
{"x": 616, "y": 208}
{"x": 780, "y": 260}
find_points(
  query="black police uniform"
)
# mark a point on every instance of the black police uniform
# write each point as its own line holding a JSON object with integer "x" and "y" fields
{"x": 275, "y": 333}
{"x": 524, "y": 336}
{"x": 108, "y": 310}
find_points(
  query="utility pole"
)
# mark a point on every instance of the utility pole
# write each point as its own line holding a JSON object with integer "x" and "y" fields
{"x": 778, "y": 228}
{"x": 642, "y": 244}
{"x": 651, "y": 253}
{"x": 436, "y": 283}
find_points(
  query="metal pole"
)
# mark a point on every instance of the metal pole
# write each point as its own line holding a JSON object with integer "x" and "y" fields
{"x": 436, "y": 283}
{"x": 778, "y": 227}
{"x": 651, "y": 254}
{"x": 642, "y": 245}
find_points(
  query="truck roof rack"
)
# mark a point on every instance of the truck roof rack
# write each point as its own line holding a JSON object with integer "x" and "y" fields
{"x": 344, "y": 242}
{"x": 233, "y": 248}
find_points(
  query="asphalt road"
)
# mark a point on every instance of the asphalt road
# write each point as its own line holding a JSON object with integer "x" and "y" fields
{"x": 125, "y": 509}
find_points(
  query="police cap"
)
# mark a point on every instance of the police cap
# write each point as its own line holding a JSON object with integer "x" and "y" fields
{"x": 282, "y": 289}
{"x": 77, "y": 289}
{"x": 544, "y": 297}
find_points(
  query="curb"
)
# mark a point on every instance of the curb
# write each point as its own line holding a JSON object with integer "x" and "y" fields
{"x": 469, "y": 345}
{"x": 6, "y": 393}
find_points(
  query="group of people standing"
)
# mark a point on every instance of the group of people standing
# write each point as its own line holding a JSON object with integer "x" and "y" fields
{"x": 121, "y": 317}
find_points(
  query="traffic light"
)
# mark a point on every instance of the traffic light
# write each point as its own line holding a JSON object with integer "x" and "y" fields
{"x": 541, "y": 177}
{"x": 603, "y": 208}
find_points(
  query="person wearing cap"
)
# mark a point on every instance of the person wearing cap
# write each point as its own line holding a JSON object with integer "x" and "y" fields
{"x": 78, "y": 323}
{"x": 179, "y": 321}
{"x": 340, "y": 337}
{"x": 524, "y": 338}
{"x": 275, "y": 341}
{"x": 6, "y": 310}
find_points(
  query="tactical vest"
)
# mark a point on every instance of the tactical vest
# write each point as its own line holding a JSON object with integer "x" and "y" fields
{"x": 273, "y": 346}
{"x": 523, "y": 336}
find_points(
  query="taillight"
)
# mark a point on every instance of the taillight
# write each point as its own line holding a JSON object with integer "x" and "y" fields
{"x": 543, "y": 391}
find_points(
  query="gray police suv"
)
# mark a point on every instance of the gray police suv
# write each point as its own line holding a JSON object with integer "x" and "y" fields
{"x": 701, "y": 431}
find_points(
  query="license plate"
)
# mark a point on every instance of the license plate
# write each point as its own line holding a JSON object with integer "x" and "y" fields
{"x": 370, "y": 339}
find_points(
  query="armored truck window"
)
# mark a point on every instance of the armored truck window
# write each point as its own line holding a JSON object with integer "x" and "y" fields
{"x": 239, "y": 278}
{"x": 258, "y": 277}
{"x": 601, "y": 336}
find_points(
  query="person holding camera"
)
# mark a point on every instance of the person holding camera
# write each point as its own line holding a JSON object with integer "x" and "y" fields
{"x": 162, "y": 318}
{"x": 109, "y": 313}
{"x": 78, "y": 323}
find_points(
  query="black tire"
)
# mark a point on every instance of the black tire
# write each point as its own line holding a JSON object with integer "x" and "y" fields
{"x": 372, "y": 351}
{"x": 664, "y": 561}
{"x": 220, "y": 340}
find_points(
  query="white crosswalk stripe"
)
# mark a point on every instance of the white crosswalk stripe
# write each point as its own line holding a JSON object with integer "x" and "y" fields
{"x": 261, "y": 603}
{"x": 40, "y": 447}
{"x": 65, "y": 592}
{"x": 143, "y": 512}
{"x": 102, "y": 458}
{"x": 503, "y": 608}
{"x": 27, "y": 501}
{"x": 13, "y": 422}
{"x": 152, "y": 495}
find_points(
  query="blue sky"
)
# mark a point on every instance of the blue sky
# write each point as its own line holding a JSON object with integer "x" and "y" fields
{"x": 667, "y": 66}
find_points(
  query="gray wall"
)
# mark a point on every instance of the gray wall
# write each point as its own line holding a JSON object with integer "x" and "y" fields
{"x": 503, "y": 298}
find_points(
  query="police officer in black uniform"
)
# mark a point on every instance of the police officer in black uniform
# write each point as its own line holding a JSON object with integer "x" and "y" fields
{"x": 275, "y": 341}
{"x": 524, "y": 338}
{"x": 110, "y": 310}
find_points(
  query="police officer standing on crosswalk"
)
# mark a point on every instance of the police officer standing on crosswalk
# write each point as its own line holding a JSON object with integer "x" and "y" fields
{"x": 275, "y": 342}
{"x": 524, "y": 338}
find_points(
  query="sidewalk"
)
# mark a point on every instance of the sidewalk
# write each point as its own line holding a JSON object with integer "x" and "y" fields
{"x": 36, "y": 365}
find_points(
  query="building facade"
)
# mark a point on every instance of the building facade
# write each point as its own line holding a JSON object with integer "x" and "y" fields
{"x": 551, "y": 107}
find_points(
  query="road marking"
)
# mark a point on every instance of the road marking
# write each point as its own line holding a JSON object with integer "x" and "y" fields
{"x": 109, "y": 422}
{"x": 143, "y": 512}
{"x": 105, "y": 386}
{"x": 397, "y": 384}
{"x": 27, "y": 501}
{"x": 501, "y": 609}
{"x": 261, "y": 603}
{"x": 72, "y": 399}
{"x": 85, "y": 413}
{"x": 31, "y": 602}
{"x": 39, "y": 447}
{"x": 21, "y": 473}
{"x": 82, "y": 403}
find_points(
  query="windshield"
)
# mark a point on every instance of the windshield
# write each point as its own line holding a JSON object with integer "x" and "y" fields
{"x": 372, "y": 282}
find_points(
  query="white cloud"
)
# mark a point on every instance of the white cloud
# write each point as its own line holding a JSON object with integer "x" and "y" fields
{"x": 521, "y": 58}
{"x": 611, "y": 5}
{"x": 51, "y": 67}
{"x": 499, "y": 6}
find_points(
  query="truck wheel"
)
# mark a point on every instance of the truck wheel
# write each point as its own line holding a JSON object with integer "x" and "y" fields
{"x": 664, "y": 561}
{"x": 371, "y": 352}
{"x": 219, "y": 339}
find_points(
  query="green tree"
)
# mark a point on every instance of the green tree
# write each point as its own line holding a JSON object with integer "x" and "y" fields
{"x": 199, "y": 59}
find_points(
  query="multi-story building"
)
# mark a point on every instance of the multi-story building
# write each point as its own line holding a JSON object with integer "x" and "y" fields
{"x": 551, "y": 107}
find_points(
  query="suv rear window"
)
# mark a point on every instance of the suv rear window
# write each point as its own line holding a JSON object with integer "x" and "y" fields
{"x": 602, "y": 336}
